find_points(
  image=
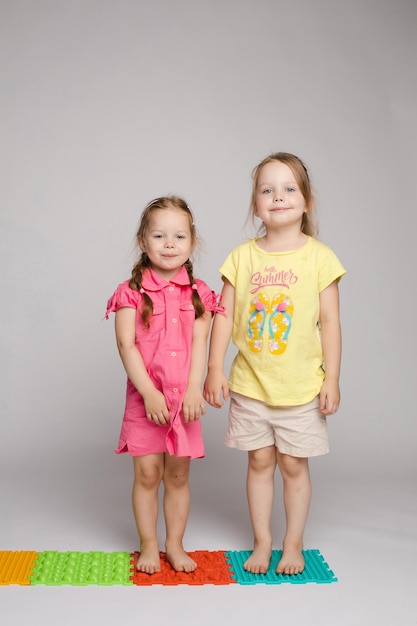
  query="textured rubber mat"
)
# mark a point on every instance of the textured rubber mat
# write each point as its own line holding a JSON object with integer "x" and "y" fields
{"x": 212, "y": 569}
{"x": 15, "y": 567}
{"x": 82, "y": 568}
{"x": 316, "y": 569}
{"x": 119, "y": 568}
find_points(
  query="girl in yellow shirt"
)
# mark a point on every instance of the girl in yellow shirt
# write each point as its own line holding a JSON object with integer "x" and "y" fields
{"x": 281, "y": 299}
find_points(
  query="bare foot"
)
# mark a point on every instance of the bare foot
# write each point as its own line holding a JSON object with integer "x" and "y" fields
{"x": 258, "y": 562}
{"x": 292, "y": 561}
{"x": 149, "y": 560}
{"x": 180, "y": 561}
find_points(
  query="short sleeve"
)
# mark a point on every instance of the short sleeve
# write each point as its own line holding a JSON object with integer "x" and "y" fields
{"x": 229, "y": 268}
{"x": 124, "y": 296}
{"x": 209, "y": 298}
{"x": 331, "y": 268}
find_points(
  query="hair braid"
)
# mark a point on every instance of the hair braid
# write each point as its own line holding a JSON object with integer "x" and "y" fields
{"x": 136, "y": 283}
{"x": 196, "y": 300}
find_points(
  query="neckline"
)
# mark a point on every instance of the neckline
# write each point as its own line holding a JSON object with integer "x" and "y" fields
{"x": 279, "y": 252}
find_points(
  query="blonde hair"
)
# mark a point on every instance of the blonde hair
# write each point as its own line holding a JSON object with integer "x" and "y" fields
{"x": 309, "y": 222}
{"x": 164, "y": 202}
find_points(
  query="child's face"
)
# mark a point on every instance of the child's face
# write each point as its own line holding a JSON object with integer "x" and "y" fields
{"x": 279, "y": 201}
{"x": 167, "y": 241}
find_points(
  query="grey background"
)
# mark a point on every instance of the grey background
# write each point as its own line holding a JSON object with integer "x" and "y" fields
{"x": 107, "y": 104}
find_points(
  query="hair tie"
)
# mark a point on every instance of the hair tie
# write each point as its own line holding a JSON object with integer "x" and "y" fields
{"x": 142, "y": 290}
{"x": 194, "y": 286}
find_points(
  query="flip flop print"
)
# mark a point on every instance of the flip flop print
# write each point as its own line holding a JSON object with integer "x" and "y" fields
{"x": 258, "y": 309}
{"x": 279, "y": 324}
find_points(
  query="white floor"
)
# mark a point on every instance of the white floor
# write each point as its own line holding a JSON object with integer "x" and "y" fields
{"x": 365, "y": 528}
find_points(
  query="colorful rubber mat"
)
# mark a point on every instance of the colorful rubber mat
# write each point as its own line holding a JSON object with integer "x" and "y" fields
{"x": 118, "y": 568}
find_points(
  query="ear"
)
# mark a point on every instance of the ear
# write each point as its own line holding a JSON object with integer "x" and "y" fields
{"x": 142, "y": 244}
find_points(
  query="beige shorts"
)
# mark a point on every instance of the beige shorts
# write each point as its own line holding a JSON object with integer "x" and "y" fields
{"x": 299, "y": 431}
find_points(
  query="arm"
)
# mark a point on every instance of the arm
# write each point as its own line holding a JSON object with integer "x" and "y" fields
{"x": 216, "y": 382}
{"x": 331, "y": 339}
{"x": 155, "y": 404}
{"x": 193, "y": 404}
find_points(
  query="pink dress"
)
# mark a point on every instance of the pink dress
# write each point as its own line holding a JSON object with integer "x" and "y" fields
{"x": 166, "y": 351}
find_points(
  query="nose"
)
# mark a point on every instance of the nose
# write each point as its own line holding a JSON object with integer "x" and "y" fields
{"x": 279, "y": 196}
{"x": 169, "y": 243}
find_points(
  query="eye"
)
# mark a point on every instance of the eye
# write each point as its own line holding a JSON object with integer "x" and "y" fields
{"x": 267, "y": 191}
{"x": 181, "y": 237}
{"x": 290, "y": 189}
{"x": 158, "y": 236}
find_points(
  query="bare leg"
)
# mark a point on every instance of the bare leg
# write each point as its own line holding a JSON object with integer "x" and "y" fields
{"x": 176, "y": 509}
{"x": 297, "y": 496}
{"x": 148, "y": 475}
{"x": 260, "y": 492}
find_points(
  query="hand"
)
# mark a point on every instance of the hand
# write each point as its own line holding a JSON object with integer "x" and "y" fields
{"x": 156, "y": 407}
{"x": 216, "y": 385}
{"x": 329, "y": 397}
{"x": 193, "y": 405}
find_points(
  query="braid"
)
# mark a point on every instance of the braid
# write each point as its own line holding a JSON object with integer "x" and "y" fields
{"x": 136, "y": 284}
{"x": 197, "y": 302}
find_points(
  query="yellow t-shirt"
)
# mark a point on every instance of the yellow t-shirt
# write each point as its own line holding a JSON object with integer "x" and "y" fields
{"x": 276, "y": 320}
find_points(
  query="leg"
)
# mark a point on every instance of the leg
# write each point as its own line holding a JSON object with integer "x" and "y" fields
{"x": 297, "y": 495}
{"x": 260, "y": 492}
{"x": 148, "y": 471}
{"x": 176, "y": 509}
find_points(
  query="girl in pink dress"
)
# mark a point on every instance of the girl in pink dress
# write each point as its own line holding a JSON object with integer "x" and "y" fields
{"x": 163, "y": 317}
